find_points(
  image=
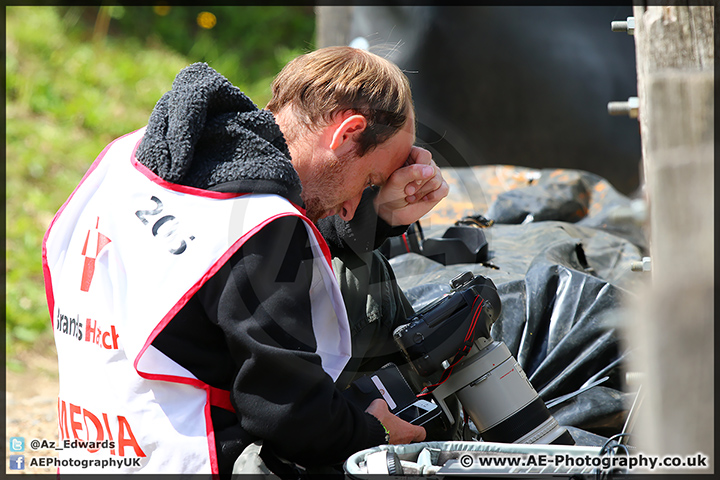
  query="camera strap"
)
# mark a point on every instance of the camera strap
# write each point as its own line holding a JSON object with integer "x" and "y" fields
{"x": 464, "y": 349}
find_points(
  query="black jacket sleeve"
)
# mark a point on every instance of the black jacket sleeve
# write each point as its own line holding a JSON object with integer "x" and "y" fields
{"x": 260, "y": 302}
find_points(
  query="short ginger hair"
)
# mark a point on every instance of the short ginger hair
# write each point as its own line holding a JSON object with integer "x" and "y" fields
{"x": 333, "y": 80}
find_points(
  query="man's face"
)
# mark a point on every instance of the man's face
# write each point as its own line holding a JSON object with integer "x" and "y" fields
{"x": 336, "y": 187}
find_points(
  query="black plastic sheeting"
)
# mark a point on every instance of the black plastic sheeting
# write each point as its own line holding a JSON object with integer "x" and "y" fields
{"x": 560, "y": 255}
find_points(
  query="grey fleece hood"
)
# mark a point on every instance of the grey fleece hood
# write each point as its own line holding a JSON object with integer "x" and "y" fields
{"x": 206, "y": 133}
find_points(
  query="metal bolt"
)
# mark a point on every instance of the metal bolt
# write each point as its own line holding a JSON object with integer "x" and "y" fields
{"x": 624, "y": 26}
{"x": 631, "y": 107}
{"x": 642, "y": 266}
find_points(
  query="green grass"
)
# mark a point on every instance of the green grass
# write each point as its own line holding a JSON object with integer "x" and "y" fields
{"x": 68, "y": 96}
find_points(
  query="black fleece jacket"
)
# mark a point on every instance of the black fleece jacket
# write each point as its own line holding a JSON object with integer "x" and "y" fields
{"x": 249, "y": 328}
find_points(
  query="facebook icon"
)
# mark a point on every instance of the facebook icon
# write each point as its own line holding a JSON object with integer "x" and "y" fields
{"x": 17, "y": 462}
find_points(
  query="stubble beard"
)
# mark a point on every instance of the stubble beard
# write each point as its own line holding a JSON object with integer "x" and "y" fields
{"x": 324, "y": 191}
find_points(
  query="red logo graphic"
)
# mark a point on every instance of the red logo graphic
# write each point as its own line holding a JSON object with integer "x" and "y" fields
{"x": 96, "y": 241}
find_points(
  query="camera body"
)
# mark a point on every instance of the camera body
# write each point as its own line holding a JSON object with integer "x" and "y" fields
{"x": 438, "y": 331}
{"x": 453, "y": 334}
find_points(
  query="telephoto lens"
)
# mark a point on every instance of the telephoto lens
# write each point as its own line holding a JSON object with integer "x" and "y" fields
{"x": 453, "y": 335}
{"x": 502, "y": 403}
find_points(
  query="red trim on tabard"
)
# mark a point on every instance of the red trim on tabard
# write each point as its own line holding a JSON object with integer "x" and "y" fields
{"x": 46, "y": 268}
{"x": 198, "y": 192}
{"x": 218, "y": 397}
{"x": 215, "y": 398}
{"x": 48, "y": 282}
{"x": 210, "y": 434}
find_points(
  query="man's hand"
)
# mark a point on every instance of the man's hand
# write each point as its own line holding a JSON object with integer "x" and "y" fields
{"x": 401, "y": 432}
{"x": 412, "y": 190}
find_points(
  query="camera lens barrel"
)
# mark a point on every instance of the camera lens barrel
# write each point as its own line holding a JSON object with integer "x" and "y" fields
{"x": 502, "y": 403}
{"x": 485, "y": 377}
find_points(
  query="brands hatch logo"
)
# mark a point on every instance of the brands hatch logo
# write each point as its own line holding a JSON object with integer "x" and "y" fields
{"x": 94, "y": 243}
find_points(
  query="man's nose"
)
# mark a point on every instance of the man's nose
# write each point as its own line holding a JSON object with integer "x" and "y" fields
{"x": 347, "y": 209}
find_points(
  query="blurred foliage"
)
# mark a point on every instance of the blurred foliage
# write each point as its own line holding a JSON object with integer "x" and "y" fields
{"x": 247, "y": 44}
{"x": 78, "y": 77}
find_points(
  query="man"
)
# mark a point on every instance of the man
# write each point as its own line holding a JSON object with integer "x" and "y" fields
{"x": 194, "y": 306}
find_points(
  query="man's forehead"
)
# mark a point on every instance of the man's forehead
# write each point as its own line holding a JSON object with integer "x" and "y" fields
{"x": 399, "y": 155}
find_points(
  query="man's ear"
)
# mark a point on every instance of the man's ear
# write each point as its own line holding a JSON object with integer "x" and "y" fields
{"x": 346, "y": 130}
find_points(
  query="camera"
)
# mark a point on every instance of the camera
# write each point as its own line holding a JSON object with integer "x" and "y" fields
{"x": 452, "y": 335}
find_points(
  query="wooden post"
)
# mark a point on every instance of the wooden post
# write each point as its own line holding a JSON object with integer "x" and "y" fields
{"x": 673, "y": 332}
